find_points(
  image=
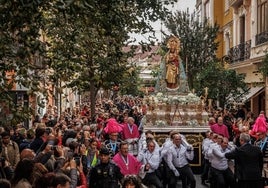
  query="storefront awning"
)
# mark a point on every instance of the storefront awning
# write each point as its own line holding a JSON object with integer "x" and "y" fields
{"x": 252, "y": 92}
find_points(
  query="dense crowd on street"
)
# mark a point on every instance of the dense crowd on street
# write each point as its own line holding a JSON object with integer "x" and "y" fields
{"x": 112, "y": 149}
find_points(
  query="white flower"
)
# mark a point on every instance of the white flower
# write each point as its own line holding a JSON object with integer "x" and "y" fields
{"x": 165, "y": 99}
{"x": 160, "y": 123}
{"x": 159, "y": 94}
{"x": 191, "y": 95}
{"x": 175, "y": 98}
{"x": 182, "y": 99}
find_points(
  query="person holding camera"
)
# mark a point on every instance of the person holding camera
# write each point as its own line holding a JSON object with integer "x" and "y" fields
{"x": 106, "y": 174}
{"x": 6, "y": 171}
{"x": 177, "y": 160}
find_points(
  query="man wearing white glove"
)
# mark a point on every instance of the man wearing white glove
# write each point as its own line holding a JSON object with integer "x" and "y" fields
{"x": 177, "y": 159}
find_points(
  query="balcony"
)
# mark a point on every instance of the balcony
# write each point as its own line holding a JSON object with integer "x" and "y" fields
{"x": 240, "y": 52}
{"x": 261, "y": 38}
{"x": 235, "y": 3}
{"x": 198, "y": 2}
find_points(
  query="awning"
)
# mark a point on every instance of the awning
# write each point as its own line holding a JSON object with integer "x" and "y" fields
{"x": 252, "y": 92}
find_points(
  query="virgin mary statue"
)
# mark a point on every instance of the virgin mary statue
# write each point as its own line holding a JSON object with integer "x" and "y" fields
{"x": 172, "y": 76}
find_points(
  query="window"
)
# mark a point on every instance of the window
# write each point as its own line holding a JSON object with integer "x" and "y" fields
{"x": 242, "y": 29}
{"x": 262, "y": 16}
{"x": 227, "y": 42}
{"x": 207, "y": 9}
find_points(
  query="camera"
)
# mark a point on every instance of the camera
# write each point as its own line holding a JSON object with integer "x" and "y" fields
{"x": 53, "y": 147}
{"x": 77, "y": 160}
{"x": 2, "y": 161}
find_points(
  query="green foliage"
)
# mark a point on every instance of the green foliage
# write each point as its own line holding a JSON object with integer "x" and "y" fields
{"x": 81, "y": 43}
{"x": 130, "y": 82}
{"x": 221, "y": 83}
{"x": 20, "y": 44}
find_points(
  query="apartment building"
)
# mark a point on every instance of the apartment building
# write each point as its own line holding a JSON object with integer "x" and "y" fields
{"x": 146, "y": 62}
{"x": 243, "y": 40}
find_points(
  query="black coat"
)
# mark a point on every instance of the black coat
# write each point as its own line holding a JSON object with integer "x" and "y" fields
{"x": 248, "y": 162}
{"x": 105, "y": 176}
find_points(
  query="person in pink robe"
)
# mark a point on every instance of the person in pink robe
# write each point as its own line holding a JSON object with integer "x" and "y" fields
{"x": 112, "y": 126}
{"x": 260, "y": 126}
{"x": 128, "y": 164}
{"x": 130, "y": 134}
{"x": 220, "y": 128}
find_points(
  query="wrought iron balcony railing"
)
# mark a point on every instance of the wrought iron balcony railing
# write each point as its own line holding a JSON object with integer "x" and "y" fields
{"x": 235, "y": 2}
{"x": 240, "y": 52}
{"x": 261, "y": 38}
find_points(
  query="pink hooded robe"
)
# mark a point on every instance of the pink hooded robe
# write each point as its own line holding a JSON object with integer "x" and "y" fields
{"x": 112, "y": 126}
{"x": 260, "y": 124}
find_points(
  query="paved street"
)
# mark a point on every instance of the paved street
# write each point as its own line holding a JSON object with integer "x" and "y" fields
{"x": 198, "y": 183}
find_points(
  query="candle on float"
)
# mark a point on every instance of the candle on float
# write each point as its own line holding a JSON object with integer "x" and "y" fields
{"x": 206, "y": 90}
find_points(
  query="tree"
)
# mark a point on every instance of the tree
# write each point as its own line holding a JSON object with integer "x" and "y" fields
{"x": 20, "y": 44}
{"x": 87, "y": 38}
{"x": 264, "y": 66}
{"x": 82, "y": 47}
{"x": 221, "y": 83}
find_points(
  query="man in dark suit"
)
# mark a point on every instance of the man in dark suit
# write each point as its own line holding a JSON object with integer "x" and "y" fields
{"x": 248, "y": 163}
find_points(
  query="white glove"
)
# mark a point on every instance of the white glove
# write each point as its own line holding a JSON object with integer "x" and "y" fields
{"x": 190, "y": 148}
{"x": 176, "y": 173}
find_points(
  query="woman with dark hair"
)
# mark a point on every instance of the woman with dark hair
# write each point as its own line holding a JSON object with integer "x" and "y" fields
{"x": 92, "y": 154}
{"x": 61, "y": 180}
{"x": 53, "y": 180}
{"x": 39, "y": 139}
{"x": 23, "y": 174}
{"x": 46, "y": 181}
{"x": 131, "y": 181}
{"x": 39, "y": 171}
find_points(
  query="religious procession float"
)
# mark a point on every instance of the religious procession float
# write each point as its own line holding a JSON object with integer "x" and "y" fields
{"x": 174, "y": 107}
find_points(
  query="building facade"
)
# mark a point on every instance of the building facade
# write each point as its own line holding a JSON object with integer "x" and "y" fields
{"x": 243, "y": 42}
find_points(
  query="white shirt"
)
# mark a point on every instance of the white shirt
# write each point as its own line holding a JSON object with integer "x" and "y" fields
{"x": 205, "y": 146}
{"x": 217, "y": 157}
{"x": 178, "y": 157}
{"x": 153, "y": 159}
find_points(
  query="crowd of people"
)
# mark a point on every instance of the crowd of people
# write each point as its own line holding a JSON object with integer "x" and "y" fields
{"x": 235, "y": 150}
{"x": 111, "y": 149}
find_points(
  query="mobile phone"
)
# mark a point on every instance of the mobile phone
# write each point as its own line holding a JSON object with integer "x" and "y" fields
{"x": 77, "y": 160}
{"x": 53, "y": 147}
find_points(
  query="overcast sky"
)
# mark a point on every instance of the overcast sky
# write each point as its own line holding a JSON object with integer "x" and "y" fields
{"x": 181, "y": 5}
